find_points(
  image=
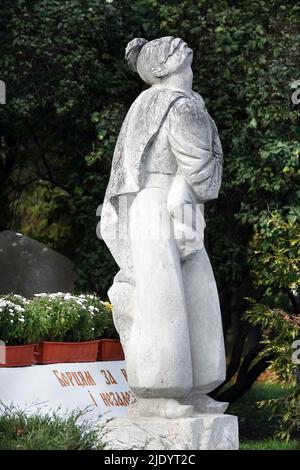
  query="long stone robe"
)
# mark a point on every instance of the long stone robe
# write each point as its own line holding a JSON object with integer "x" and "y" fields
{"x": 165, "y": 309}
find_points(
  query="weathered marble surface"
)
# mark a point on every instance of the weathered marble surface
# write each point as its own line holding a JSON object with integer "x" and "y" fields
{"x": 165, "y": 301}
{"x": 202, "y": 432}
{"x": 28, "y": 267}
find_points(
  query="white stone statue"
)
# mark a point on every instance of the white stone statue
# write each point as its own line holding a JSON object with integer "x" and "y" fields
{"x": 167, "y": 164}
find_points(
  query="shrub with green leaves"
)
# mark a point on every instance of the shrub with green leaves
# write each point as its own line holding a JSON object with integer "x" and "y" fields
{"x": 73, "y": 318}
{"x": 55, "y": 317}
{"x": 19, "y": 324}
{"x": 275, "y": 266}
{"x": 275, "y": 253}
{"x": 21, "y": 431}
{"x": 280, "y": 330}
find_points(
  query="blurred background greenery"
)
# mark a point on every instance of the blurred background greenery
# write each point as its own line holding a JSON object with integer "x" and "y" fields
{"x": 68, "y": 89}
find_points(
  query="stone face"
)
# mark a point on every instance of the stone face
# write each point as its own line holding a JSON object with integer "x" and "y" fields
{"x": 28, "y": 267}
{"x": 200, "y": 432}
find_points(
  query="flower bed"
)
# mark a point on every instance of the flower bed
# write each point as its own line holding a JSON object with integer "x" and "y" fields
{"x": 65, "y": 327}
{"x": 18, "y": 330}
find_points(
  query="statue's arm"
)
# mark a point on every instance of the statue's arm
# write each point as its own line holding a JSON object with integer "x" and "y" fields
{"x": 191, "y": 136}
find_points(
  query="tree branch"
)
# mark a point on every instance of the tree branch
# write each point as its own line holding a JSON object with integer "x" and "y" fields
{"x": 293, "y": 300}
{"x": 245, "y": 380}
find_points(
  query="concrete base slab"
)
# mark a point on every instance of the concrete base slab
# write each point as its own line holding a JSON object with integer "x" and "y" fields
{"x": 199, "y": 432}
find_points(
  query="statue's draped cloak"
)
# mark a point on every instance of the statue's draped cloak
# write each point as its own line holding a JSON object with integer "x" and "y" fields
{"x": 140, "y": 127}
{"x": 142, "y": 123}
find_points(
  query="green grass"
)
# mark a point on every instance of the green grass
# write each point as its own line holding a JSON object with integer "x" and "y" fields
{"x": 257, "y": 426}
{"x": 270, "y": 444}
{"x": 46, "y": 432}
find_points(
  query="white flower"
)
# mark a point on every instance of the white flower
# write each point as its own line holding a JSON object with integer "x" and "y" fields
{"x": 19, "y": 308}
{"x": 19, "y": 297}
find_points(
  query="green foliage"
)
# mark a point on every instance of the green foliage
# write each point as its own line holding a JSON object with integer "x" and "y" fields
{"x": 47, "y": 215}
{"x": 55, "y": 317}
{"x": 270, "y": 444}
{"x": 275, "y": 252}
{"x": 62, "y": 67}
{"x": 107, "y": 125}
{"x": 257, "y": 423}
{"x": 280, "y": 332}
{"x": 20, "y": 430}
{"x": 19, "y": 325}
{"x": 73, "y": 318}
{"x": 288, "y": 411}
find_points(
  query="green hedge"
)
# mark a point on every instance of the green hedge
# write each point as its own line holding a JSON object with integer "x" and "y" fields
{"x": 54, "y": 317}
{"x": 21, "y": 431}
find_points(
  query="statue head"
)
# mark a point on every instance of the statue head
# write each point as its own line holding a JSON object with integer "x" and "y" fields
{"x": 159, "y": 59}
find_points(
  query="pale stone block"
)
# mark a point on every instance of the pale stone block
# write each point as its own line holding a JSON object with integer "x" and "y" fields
{"x": 31, "y": 267}
{"x": 199, "y": 432}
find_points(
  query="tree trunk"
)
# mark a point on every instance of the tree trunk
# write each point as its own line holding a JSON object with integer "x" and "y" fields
{"x": 245, "y": 379}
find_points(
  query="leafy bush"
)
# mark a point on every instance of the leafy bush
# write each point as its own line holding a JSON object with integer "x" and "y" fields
{"x": 275, "y": 265}
{"x": 19, "y": 324}
{"x": 73, "y": 318}
{"x": 55, "y": 317}
{"x": 275, "y": 253}
{"x": 280, "y": 332}
{"x": 19, "y": 431}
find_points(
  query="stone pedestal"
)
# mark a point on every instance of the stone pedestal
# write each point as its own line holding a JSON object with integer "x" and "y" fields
{"x": 199, "y": 432}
